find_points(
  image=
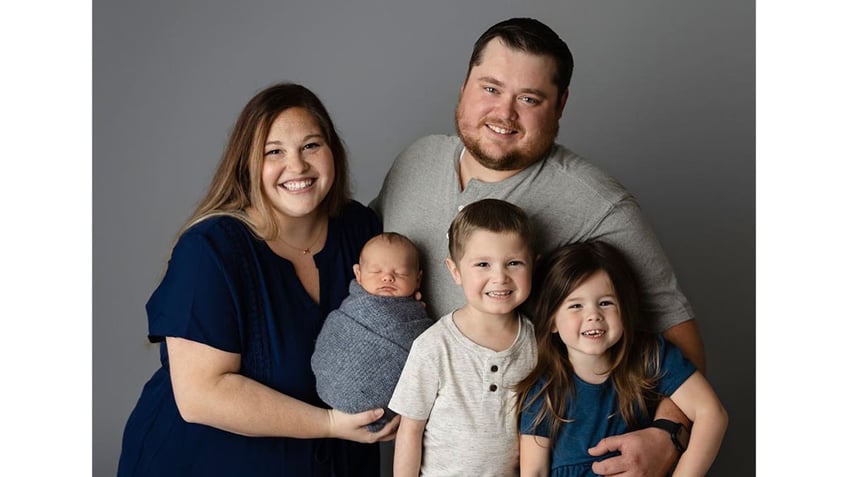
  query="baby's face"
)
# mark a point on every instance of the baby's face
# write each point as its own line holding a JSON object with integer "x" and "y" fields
{"x": 388, "y": 269}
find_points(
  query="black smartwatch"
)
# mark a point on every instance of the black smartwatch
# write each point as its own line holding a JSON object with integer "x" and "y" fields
{"x": 678, "y": 432}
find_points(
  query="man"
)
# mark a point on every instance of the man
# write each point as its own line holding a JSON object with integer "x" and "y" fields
{"x": 507, "y": 119}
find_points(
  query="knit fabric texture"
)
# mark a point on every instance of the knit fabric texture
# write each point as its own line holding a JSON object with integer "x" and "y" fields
{"x": 361, "y": 350}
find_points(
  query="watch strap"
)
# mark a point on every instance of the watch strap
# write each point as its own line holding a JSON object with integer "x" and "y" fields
{"x": 678, "y": 433}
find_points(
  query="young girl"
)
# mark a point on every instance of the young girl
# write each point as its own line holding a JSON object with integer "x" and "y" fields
{"x": 596, "y": 375}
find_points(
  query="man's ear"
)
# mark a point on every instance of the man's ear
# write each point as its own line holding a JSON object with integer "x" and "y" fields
{"x": 418, "y": 280}
{"x": 454, "y": 271}
{"x": 357, "y": 273}
{"x": 561, "y": 105}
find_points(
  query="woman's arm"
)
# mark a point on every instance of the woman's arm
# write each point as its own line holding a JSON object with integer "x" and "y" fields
{"x": 408, "y": 447}
{"x": 209, "y": 390}
{"x": 697, "y": 399}
{"x": 534, "y": 456}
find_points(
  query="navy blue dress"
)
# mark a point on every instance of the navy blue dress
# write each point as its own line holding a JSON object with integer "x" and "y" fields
{"x": 226, "y": 289}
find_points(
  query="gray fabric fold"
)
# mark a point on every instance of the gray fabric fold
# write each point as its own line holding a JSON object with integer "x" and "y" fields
{"x": 361, "y": 350}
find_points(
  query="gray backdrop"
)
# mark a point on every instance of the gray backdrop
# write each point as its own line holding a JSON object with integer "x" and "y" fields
{"x": 662, "y": 98}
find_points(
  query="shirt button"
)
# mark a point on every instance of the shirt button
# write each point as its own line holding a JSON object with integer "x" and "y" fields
{"x": 494, "y": 368}
{"x": 493, "y": 387}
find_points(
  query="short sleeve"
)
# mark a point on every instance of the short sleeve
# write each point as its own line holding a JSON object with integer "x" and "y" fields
{"x": 676, "y": 369}
{"x": 663, "y": 304}
{"x": 528, "y": 414}
{"x": 194, "y": 300}
{"x": 418, "y": 385}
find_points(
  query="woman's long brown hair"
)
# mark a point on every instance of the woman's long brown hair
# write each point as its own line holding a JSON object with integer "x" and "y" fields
{"x": 237, "y": 183}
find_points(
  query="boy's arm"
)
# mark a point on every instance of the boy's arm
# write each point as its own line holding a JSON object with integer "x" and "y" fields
{"x": 698, "y": 400}
{"x": 408, "y": 447}
{"x": 534, "y": 456}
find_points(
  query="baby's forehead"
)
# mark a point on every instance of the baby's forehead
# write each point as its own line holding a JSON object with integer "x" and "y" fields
{"x": 381, "y": 244}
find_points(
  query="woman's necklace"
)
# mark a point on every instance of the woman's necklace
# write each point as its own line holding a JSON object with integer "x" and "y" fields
{"x": 307, "y": 250}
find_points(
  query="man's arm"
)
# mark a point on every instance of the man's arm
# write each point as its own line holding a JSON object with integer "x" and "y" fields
{"x": 686, "y": 337}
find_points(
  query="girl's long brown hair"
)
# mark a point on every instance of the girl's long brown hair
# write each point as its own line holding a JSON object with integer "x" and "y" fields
{"x": 634, "y": 359}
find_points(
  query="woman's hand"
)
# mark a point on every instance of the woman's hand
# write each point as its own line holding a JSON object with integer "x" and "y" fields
{"x": 353, "y": 426}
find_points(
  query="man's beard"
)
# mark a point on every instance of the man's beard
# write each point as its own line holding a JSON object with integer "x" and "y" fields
{"x": 513, "y": 160}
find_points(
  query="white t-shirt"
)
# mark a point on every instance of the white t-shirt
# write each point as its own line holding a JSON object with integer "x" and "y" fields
{"x": 464, "y": 392}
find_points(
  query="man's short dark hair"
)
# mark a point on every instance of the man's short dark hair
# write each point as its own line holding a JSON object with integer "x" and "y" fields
{"x": 531, "y": 36}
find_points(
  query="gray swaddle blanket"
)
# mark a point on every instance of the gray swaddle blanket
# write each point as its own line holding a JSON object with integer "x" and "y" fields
{"x": 361, "y": 350}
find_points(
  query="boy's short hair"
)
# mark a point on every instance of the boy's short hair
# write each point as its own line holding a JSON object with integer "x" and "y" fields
{"x": 494, "y": 215}
{"x": 393, "y": 237}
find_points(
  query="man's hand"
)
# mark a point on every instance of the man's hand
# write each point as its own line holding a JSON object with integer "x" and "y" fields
{"x": 644, "y": 453}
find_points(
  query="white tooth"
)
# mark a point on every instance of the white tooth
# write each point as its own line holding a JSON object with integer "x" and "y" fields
{"x": 493, "y": 293}
{"x": 297, "y": 185}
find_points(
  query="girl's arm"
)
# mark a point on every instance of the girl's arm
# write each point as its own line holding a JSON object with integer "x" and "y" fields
{"x": 209, "y": 390}
{"x": 534, "y": 455}
{"x": 408, "y": 447}
{"x": 697, "y": 399}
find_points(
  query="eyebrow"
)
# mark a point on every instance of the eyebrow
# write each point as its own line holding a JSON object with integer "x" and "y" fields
{"x": 496, "y": 82}
{"x": 580, "y": 298}
{"x": 305, "y": 138}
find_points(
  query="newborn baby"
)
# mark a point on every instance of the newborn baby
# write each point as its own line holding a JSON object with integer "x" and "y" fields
{"x": 363, "y": 345}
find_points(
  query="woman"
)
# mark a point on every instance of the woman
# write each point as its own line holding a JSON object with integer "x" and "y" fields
{"x": 268, "y": 253}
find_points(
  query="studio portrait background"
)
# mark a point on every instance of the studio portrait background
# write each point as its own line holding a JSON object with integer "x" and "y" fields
{"x": 662, "y": 98}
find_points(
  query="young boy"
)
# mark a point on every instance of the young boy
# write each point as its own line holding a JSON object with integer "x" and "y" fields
{"x": 455, "y": 394}
{"x": 362, "y": 346}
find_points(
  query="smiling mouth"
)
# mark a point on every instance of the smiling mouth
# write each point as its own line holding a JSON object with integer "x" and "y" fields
{"x": 295, "y": 186}
{"x": 499, "y": 294}
{"x": 593, "y": 333}
{"x": 501, "y": 130}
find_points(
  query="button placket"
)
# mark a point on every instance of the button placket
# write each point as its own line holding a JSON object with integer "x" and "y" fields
{"x": 495, "y": 377}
